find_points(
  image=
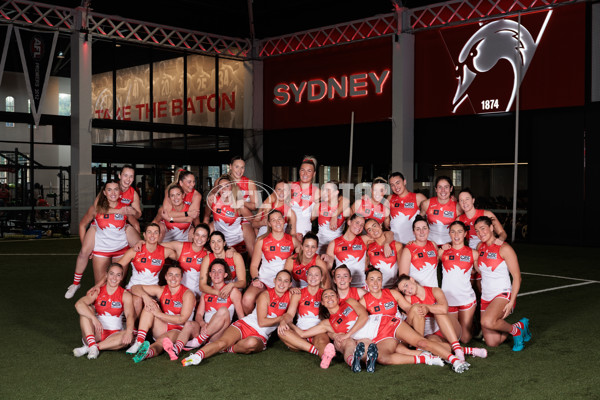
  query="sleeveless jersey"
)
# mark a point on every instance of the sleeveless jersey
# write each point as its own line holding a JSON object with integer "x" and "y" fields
{"x": 430, "y": 325}
{"x": 274, "y": 254}
{"x": 308, "y": 309}
{"x": 470, "y": 223}
{"x": 352, "y": 294}
{"x": 177, "y": 231}
{"x": 212, "y": 303}
{"x": 403, "y": 211}
{"x": 126, "y": 198}
{"x": 423, "y": 263}
{"x": 171, "y": 304}
{"x": 190, "y": 261}
{"x": 146, "y": 266}
{"x": 385, "y": 304}
{"x": 244, "y": 190}
{"x": 457, "y": 266}
{"x": 231, "y": 263}
{"x": 325, "y": 234}
{"x": 299, "y": 271}
{"x": 495, "y": 277}
{"x": 440, "y": 216}
{"x": 227, "y": 221}
{"x": 110, "y": 309}
{"x": 388, "y": 266}
{"x": 187, "y": 199}
{"x": 276, "y": 308}
{"x": 302, "y": 202}
{"x": 110, "y": 231}
{"x": 367, "y": 209}
{"x": 345, "y": 318}
{"x": 352, "y": 253}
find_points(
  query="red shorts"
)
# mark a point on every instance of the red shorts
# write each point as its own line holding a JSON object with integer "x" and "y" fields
{"x": 248, "y": 331}
{"x": 387, "y": 328}
{"x": 455, "y": 309}
{"x": 240, "y": 247}
{"x": 174, "y": 327}
{"x": 475, "y": 276}
{"x": 485, "y": 303}
{"x": 110, "y": 254}
{"x": 106, "y": 333}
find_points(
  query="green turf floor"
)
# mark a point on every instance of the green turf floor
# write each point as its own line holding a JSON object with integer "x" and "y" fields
{"x": 40, "y": 328}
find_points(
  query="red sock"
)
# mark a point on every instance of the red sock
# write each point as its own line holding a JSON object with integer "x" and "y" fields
{"x": 468, "y": 350}
{"x": 228, "y": 350}
{"x": 202, "y": 338}
{"x": 141, "y": 336}
{"x": 77, "y": 279}
{"x": 179, "y": 346}
{"x": 201, "y": 354}
{"x": 453, "y": 359}
{"x": 349, "y": 360}
{"x": 455, "y": 346}
{"x": 313, "y": 350}
{"x": 516, "y": 329}
{"x": 149, "y": 354}
{"x": 91, "y": 340}
{"x": 420, "y": 360}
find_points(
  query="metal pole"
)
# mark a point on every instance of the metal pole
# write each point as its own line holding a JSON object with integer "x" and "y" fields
{"x": 517, "y": 112}
{"x": 351, "y": 145}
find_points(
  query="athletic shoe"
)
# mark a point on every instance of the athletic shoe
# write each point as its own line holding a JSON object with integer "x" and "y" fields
{"x": 141, "y": 353}
{"x": 134, "y": 348}
{"x": 479, "y": 352}
{"x": 328, "y": 354}
{"x": 372, "y": 353}
{"x": 71, "y": 291}
{"x": 433, "y": 360}
{"x": 93, "y": 353}
{"x": 193, "y": 359}
{"x": 359, "y": 351}
{"x": 460, "y": 366}
{"x": 192, "y": 344}
{"x": 518, "y": 343}
{"x": 525, "y": 331}
{"x": 460, "y": 354}
{"x": 170, "y": 349}
{"x": 81, "y": 351}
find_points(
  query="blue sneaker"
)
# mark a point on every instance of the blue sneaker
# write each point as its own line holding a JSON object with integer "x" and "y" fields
{"x": 525, "y": 331}
{"x": 518, "y": 342}
{"x": 372, "y": 353}
{"x": 359, "y": 351}
{"x": 141, "y": 353}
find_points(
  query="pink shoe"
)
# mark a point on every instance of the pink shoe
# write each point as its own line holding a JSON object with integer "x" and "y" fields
{"x": 479, "y": 352}
{"x": 192, "y": 344}
{"x": 328, "y": 354}
{"x": 170, "y": 349}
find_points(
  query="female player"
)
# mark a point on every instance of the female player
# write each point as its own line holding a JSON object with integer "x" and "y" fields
{"x": 192, "y": 198}
{"x": 175, "y": 228}
{"x": 342, "y": 278}
{"x": 457, "y": 268}
{"x": 331, "y": 214}
{"x": 466, "y": 200}
{"x": 497, "y": 264}
{"x": 419, "y": 259}
{"x": 305, "y": 195}
{"x": 306, "y": 305}
{"x": 166, "y": 318}
{"x": 299, "y": 263}
{"x": 404, "y": 208}
{"x": 376, "y": 257}
{"x": 375, "y": 206}
{"x": 248, "y": 193}
{"x": 251, "y": 333}
{"x": 279, "y": 200}
{"x": 441, "y": 210}
{"x": 101, "y": 316}
{"x": 213, "y": 316}
{"x": 130, "y": 206}
{"x": 268, "y": 259}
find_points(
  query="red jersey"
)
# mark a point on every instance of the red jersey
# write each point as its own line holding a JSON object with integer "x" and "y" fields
{"x": 145, "y": 260}
{"x": 114, "y": 221}
{"x": 344, "y": 319}
{"x": 428, "y": 300}
{"x": 385, "y": 304}
{"x": 423, "y": 263}
{"x": 277, "y": 305}
{"x": 388, "y": 266}
{"x": 187, "y": 199}
{"x": 352, "y": 253}
{"x": 230, "y": 262}
{"x": 461, "y": 259}
{"x": 440, "y": 216}
{"x": 406, "y": 205}
{"x": 179, "y": 225}
{"x": 126, "y": 198}
{"x": 190, "y": 260}
{"x": 299, "y": 270}
{"x": 243, "y": 185}
{"x": 325, "y": 213}
{"x": 224, "y": 213}
{"x": 352, "y": 294}
{"x": 309, "y": 304}
{"x": 302, "y": 198}
{"x": 368, "y": 209}
{"x": 213, "y": 302}
{"x": 109, "y": 308}
{"x": 171, "y": 304}
{"x": 470, "y": 224}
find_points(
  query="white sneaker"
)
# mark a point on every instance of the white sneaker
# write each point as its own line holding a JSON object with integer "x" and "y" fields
{"x": 81, "y": 351}
{"x": 433, "y": 360}
{"x": 479, "y": 352}
{"x": 460, "y": 354}
{"x": 93, "y": 352}
{"x": 194, "y": 359}
{"x": 460, "y": 366}
{"x": 134, "y": 348}
{"x": 71, "y": 291}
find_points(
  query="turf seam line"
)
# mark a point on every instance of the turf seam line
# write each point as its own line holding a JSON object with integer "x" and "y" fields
{"x": 561, "y": 277}
{"x": 556, "y": 288}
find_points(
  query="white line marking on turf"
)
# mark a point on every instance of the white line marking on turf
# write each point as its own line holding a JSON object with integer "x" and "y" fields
{"x": 556, "y": 288}
{"x": 561, "y": 277}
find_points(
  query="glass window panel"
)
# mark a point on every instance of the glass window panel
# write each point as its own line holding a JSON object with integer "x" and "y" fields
{"x": 201, "y": 86}
{"x": 168, "y": 91}
{"x": 133, "y": 93}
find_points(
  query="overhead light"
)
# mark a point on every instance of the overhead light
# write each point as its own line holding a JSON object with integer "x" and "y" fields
{"x": 117, "y": 45}
{"x": 60, "y": 55}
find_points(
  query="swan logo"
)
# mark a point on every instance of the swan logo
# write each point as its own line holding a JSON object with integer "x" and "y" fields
{"x": 498, "y": 40}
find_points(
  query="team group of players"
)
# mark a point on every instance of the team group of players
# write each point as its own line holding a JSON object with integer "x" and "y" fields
{"x": 365, "y": 285}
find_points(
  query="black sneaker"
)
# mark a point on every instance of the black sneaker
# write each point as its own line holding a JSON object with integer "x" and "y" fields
{"x": 359, "y": 351}
{"x": 372, "y": 354}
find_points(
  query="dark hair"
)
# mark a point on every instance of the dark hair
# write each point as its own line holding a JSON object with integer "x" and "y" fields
{"x": 350, "y": 219}
{"x": 462, "y": 225}
{"x": 114, "y": 265}
{"x": 483, "y": 218}
{"x": 323, "y": 311}
{"x": 466, "y": 190}
{"x": 333, "y": 270}
{"x": 285, "y": 271}
{"x": 152, "y": 224}
{"x": 176, "y": 265}
{"x": 377, "y": 180}
{"x": 371, "y": 269}
{"x": 220, "y": 234}
{"x": 271, "y": 212}
{"x": 203, "y": 226}
{"x": 103, "y": 204}
{"x": 127, "y": 166}
{"x": 182, "y": 174}
{"x": 396, "y": 174}
{"x": 418, "y": 218}
{"x": 403, "y": 277}
{"x": 176, "y": 186}
{"x": 235, "y": 158}
{"x": 443, "y": 178}
{"x": 212, "y": 264}
{"x": 308, "y": 235}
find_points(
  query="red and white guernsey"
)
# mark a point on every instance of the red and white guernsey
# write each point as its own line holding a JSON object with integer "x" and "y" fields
{"x": 352, "y": 294}
{"x": 110, "y": 238}
{"x": 274, "y": 254}
{"x": 352, "y": 253}
{"x": 368, "y": 209}
{"x": 127, "y": 197}
{"x": 243, "y": 186}
{"x": 470, "y": 223}
{"x": 212, "y": 303}
{"x": 299, "y": 271}
{"x": 276, "y": 308}
{"x": 457, "y": 266}
{"x": 495, "y": 277}
{"x": 187, "y": 198}
{"x": 230, "y": 262}
{"x": 190, "y": 261}
{"x": 302, "y": 202}
{"x": 146, "y": 266}
{"x": 109, "y": 309}
{"x": 308, "y": 309}
{"x": 177, "y": 231}
{"x": 403, "y": 211}
{"x": 423, "y": 263}
{"x": 386, "y": 304}
{"x": 345, "y": 318}
{"x": 171, "y": 304}
{"x": 283, "y": 208}
{"x": 325, "y": 234}
{"x": 388, "y": 266}
{"x": 227, "y": 221}
{"x": 431, "y": 326}
{"x": 440, "y": 216}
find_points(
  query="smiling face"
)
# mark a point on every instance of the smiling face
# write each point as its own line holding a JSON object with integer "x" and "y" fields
{"x": 176, "y": 196}
{"x": 283, "y": 281}
{"x": 224, "y": 187}
{"x": 484, "y": 232}
{"x": 115, "y": 276}
{"x": 307, "y": 173}
{"x": 373, "y": 229}
{"x": 421, "y": 231}
{"x": 309, "y": 248}
{"x": 126, "y": 177}
{"x": 282, "y": 191}
{"x": 200, "y": 237}
{"x": 342, "y": 278}
{"x": 112, "y": 192}
{"x": 408, "y": 287}
{"x": 374, "y": 281}
{"x": 276, "y": 222}
{"x": 330, "y": 299}
{"x": 356, "y": 226}
{"x": 314, "y": 275}
{"x": 151, "y": 234}
{"x": 217, "y": 274}
{"x": 173, "y": 277}
{"x": 457, "y": 234}
{"x": 217, "y": 244}
{"x": 378, "y": 192}
{"x": 466, "y": 201}
{"x": 398, "y": 185}
{"x": 237, "y": 168}
{"x": 443, "y": 190}
{"x": 188, "y": 183}
{"x": 329, "y": 192}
